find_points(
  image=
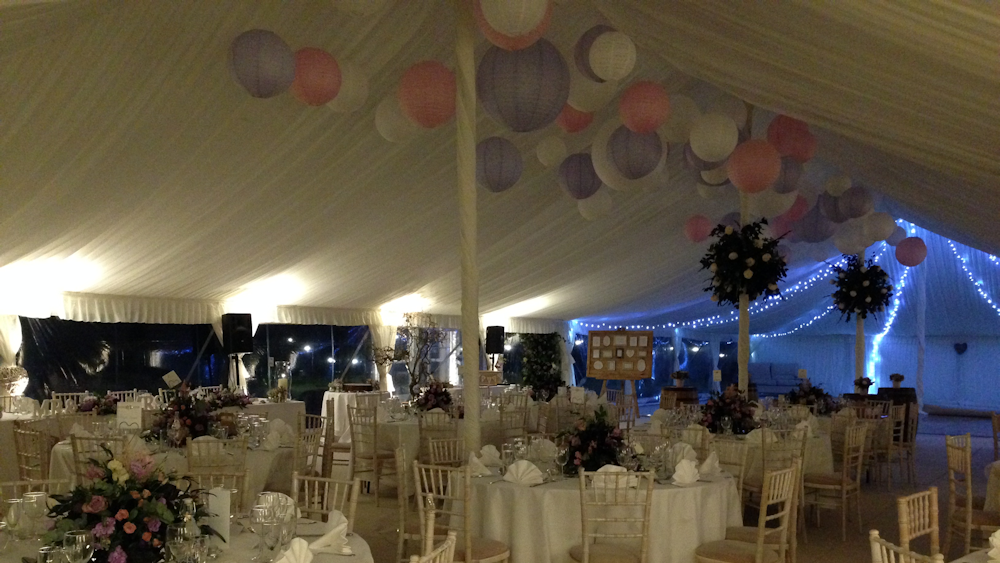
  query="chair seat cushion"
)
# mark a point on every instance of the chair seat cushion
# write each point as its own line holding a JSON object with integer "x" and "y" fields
{"x": 413, "y": 529}
{"x": 748, "y": 534}
{"x": 980, "y": 518}
{"x": 340, "y": 447}
{"x": 482, "y": 548}
{"x": 606, "y": 553}
{"x": 823, "y": 479}
{"x": 729, "y": 551}
{"x": 978, "y": 502}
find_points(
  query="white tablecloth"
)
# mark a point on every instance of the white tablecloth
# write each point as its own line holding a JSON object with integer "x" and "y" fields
{"x": 269, "y": 470}
{"x": 541, "y": 524}
{"x": 974, "y": 557}
{"x": 341, "y": 425}
{"x": 243, "y": 548}
{"x": 288, "y": 411}
{"x": 992, "y": 487}
{"x": 391, "y": 435}
{"x": 8, "y": 459}
{"x": 819, "y": 456}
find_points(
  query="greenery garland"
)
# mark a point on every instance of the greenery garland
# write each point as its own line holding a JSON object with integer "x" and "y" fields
{"x": 541, "y": 367}
{"x": 863, "y": 288}
{"x": 743, "y": 261}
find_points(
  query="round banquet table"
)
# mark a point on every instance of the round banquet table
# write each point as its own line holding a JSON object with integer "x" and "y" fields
{"x": 341, "y": 426}
{"x": 392, "y": 435}
{"x": 243, "y": 548}
{"x": 270, "y": 470}
{"x": 819, "y": 456}
{"x": 541, "y": 523}
{"x": 974, "y": 557}
{"x": 287, "y": 411}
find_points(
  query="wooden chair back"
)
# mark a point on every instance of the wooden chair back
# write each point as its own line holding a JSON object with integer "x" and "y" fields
{"x": 778, "y": 497}
{"x": 885, "y": 552}
{"x": 918, "y": 516}
{"x": 514, "y": 416}
{"x": 959, "y": 452}
{"x": 34, "y": 449}
{"x": 447, "y": 492}
{"x": 238, "y": 483}
{"x": 364, "y": 439}
{"x": 614, "y": 396}
{"x": 434, "y": 426}
{"x": 367, "y": 400}
{"x": 733, "y": 459}
{"x": 123, "y": 396}
{"x": 211, "y": 388}
{"x": 86, "y": 449}
{"x": 668, "y": 401}
{"x": 447, "y": 451}
{"x": 309, "y": 433}
{"x": 7, "y": 403}
{"x": 16, "y": 489}
{"x": 444, "y": 553}
{"x": 616, "y": 506}
{"x": 318, "y": 497}
{"x": 853, "y": 457}
{"x": 224, "y": 456}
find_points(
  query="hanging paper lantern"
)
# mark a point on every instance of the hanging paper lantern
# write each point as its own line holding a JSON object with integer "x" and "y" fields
{"x": 524, "y": 90}
{"x": 644, "y": 106}
{"x": 317, "y": 76}
{"x": 551, "y": 151}
{"x": 692, "y": 161}
{"x": 711, "y": 192}
{"x": 732, "y": 106}
{"x": 754, "y": 166}
{"x": 587, "y": 95}
{"x": 427, "y": 94}
{"x": 731, "y": 219}
{"x": 353, "y": 89}
{"x": 769, "y": 203}
{"x": 612, "y": 56}
{"x": 783, "y": 131}
{"x": 498, "y": 164}
{"x": 850, "y": 239}
{"x": 581, "y": 52}
{"x": 635, "y": 155}
{"x": 804, "y": 147}
{"x": 879, "y": 226}
{"x": 911, "y": 251}
{"x": 683, "y": 114}
{"x": 572, "y": 120}
{"x": 716, "y": 176}
{"x": 697, "y": 228}
{"x": 791, "y": 173}
{"x": 713, "y": 137}
{"x": 608, "y": 171}
{"x": 391, "y": 123}
{"x": 856, "y": 202}
{"x": 897, "y": 236}
{"x": 830, "y": 207}
{"x": 596, "y": 206}
{"x": 578, "y": 177}
{"x": 262, "y": 63}
{"x": 798, "y": 209}
{"x": 514, "y": 17}
{"x": 360, "y": 7}
{"x": 813, "y": 227}
{"x": 837, "y": 185}
{"x": 507, "y": 41}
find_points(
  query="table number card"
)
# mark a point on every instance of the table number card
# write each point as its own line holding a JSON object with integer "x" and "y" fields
{"x": 717, "y": 375}
{"x": 802, "y": 374}
{"x": 577, "y": 395}
{"x": 129, "y": 416}
{"x": 172, "y": 379}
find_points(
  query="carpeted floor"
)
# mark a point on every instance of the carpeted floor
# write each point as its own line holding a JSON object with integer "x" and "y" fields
{"x": 378, "y": 525}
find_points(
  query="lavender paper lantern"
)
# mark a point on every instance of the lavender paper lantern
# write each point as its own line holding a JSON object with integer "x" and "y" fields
{"x": 813, "y": 227}
{"x": 897, "y": 236}
{"x": 578, "y": 177}
{"x": 731, "y": 219}
{"x": 856, "y": 202}
{"x": 692, "y": 161}
{"x": 526, "y": 89}
{"x": 635, "y": 154}
{"x": 830, "y": 207}
{"x": 262, "y": 63}
{"x": 498, "y": 164}
{"x": 581, "y": 52}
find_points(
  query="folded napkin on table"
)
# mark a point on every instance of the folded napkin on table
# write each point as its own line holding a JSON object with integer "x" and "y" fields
{"x": 490, "y": 456}
{"x": 805, "y": 427}
{"x": 271, "y": 442}
{"x": 685, "y": 472}
{"x": 602, "y": 482}
{"x": 285, "y": 432}
{"x": 476, "y": 467}
{"x": 710, "y": 467}
{"x": 683, "y": 450}
{"x": 659, "y": 415}
{"x": 523, "y": 472}
{"x": 335, "y": 539}
{"x": 218, "y": 507}
{"x": 756, "y": 436}
{"x": 436, "y": 409}
{"x": 298, "y": 552}
{"x": 994, "y": 553}
{"x": 655, "y": 427}
{"x": 543, "y": 449}
{"x": 205, "y": 438}
{"x": 79, "y": 431}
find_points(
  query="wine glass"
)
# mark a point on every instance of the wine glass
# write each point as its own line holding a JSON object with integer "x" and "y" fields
{"x": 14, "y": 516}
{"x": 78, "y": 546}
{"x": 727, "y": 424}
{"x": 180, "y": 543}
{"x": 51, "y": 554}
{"x": 35, "y": 507}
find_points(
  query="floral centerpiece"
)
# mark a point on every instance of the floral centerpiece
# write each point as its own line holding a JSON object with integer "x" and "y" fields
{"x": 897, "y": 380}
{"x": 185, "y": 416}
{"x": 732, "y": 403}
{"x": 278, "y": 395}
{"x": 808, "y": 394}
{"x": 679, "y": 376}
{"x": 862, "y": 384}
{"x": 436, "y": 396}
{"x": 592, "y": 443}
{"x": 743, "y": 261}
{"x": 103, "y": 404}
{"x": 126, "y": 506}
{"x": 227, "y": 398}
{"x": 863, "y": 288}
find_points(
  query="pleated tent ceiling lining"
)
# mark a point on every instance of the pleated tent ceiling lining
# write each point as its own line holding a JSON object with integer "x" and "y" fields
{"x": 132, "y": 146}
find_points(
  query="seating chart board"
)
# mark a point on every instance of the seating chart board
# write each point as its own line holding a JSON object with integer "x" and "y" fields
{"x": 620, "y": 354}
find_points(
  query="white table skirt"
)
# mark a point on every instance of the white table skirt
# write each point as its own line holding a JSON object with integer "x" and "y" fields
{"x": 243, "y": 548}
{"x": 392, "y": 435}
{"x": 992, "y": 487}
{"x": 341, "y": 425}
{"x": 819, "y": 456}
{"x": 269, "y": 470}
{"x": 288, "y": 411}
{"x": 541, "y": 524}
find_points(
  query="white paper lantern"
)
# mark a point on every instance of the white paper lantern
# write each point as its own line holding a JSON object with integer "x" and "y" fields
{"x": 683, "y": 114}
{"x": 610, "y": 174}
{"x": 587, "y": 95}
{"x": 716, "y": 176}
{"x": 551, "y": 151}
{"x": 596, "y": 206}
{"x": 837, "y": 185}
{"x": 353, "y": 89}
{"x": 612, "y": 56}
{"x": 391, "y": 123}
{"x": 879, "y": 226}
{"x": 710, "y": 192}
{"x": 514, "y": 17}
{"x": 770, "y": 203}
{"x": 714, "y": 136}
{"x": 360, "y": 7}
{"x": 850, "y": 237}
{"x": 897, "y": 236}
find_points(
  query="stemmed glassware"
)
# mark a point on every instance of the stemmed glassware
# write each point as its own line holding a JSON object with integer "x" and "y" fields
{"x": 267, "y": 525}
{"x": 51, "y": 554}
{"x": 78, "y": 546}
{"x": 13, "y": 511}
{"x": 727, "y": 424}
{"x": 181, "y": 546}
{"x": 35, "y": 507}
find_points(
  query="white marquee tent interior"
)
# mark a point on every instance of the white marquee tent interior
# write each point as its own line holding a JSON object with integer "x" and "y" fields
{"x": 141, "y": 183}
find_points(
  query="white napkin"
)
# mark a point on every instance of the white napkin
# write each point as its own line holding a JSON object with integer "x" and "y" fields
{"x": 476, "y": 467}
{"x": 271, "y": 442}
{"x": 490, "y": 456}
{"x": 805, "y": 427}
{"x": 685, "y": 472}
{"x": 994, "y": 553}
{"x": 710, "y": 467}
{"x": 523, "y": 472}
{"x": 659, "y": 415}
{"x": 285, "y": 432}
{"x": 655, "y": 427}
{"x": 683, "y": 451}
{"x": 298, "y": 552}
{"x": 756, "y": 436}
{"x": 335, "y": 539}
{"x": 205, "y": 438}
{"x": 79, "y": 431}
{"x": 218, "y": 507}
{"x": 601, "y": 482}
{"x": 436, "y": 409}
{"x": 543, "y": 449}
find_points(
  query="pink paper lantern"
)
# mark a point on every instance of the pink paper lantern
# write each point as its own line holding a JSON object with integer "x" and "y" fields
{"x": 317, "y": 76}
{"x": 262, "y": 63}
{"x": 754, "y": 165}
{"x": 697, "y": 228}
{"x": 644, "y": 106}
{"x": 911, "y": 251}
{"x": 508, "y": 42}
{"x": 572, "y": 120}
{"x": 803, "y": 147}
{"x": 782, "y": 132}
{"x": 427, "y": 94}
{"x": 780, "y": 226}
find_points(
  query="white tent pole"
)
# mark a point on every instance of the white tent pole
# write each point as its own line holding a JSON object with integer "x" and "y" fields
{"x": 921, "y": 330}
{"x": 743, "y": 341}
{"x": 859, "y": 339}
{"x": 465, "y": 127}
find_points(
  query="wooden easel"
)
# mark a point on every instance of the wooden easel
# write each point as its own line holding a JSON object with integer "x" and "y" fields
{"x": 624, "y": 355}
